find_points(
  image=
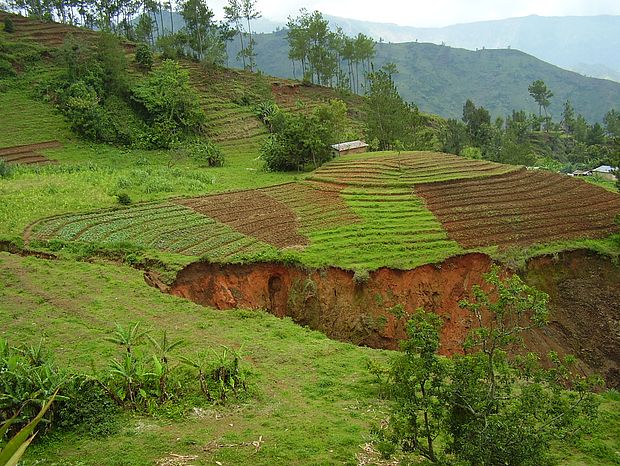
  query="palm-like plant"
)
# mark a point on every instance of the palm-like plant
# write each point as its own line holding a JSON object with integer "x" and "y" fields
{"x": 127, "y": 337}
{"x": 161, "y": 365}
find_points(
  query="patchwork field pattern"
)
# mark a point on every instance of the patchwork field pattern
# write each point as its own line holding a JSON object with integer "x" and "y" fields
{"x": 520, "y": 208}
{"x": 363, "y": 212}
{"x": 164, "y": 226}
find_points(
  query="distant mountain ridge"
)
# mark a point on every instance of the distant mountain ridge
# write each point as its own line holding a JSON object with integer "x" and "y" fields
{"x": 586, "y": 44}
{"x": 439, "y": 79}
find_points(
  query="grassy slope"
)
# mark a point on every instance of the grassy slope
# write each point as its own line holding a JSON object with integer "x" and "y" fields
{"x": 316, "y": 415}
{"x": 313, "y": 403}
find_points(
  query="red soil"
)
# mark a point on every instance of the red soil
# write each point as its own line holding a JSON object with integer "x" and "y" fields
{"x": 252, "y": 213}
{"x": 584, "y": 290}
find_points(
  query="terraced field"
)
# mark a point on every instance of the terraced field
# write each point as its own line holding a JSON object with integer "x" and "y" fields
{"x": 164, "y": 226}
{"x": 405, "y": 170}
{"x": 520, "y": 208}
{"x": 363, "y": 212}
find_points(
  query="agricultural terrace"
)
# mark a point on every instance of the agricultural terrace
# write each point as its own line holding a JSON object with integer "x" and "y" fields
{"x": 360, "y": 212}
{"x": 520, "y": 208}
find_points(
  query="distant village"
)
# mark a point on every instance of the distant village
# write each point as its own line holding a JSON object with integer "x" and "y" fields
{"x": 605, "y": 172}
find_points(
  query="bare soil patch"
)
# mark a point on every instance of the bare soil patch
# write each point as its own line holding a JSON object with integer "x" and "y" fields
{"x": 520, "y": 208}
{"x": 252, "y": 213}
{"x": 27, "y": 154}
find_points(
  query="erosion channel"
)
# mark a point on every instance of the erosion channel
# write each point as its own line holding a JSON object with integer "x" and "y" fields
{"x": 584, "y": 289}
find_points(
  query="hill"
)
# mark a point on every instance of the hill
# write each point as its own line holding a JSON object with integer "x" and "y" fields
{"x": 350, "y": 249}
{"x": 565, "y": 41}
{"x": 439, "y": 79}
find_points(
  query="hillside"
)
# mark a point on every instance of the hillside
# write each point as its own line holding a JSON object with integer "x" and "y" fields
{"x": 439, "y": 79}
{"x": 566, "y": 41}
{"x": 300, "y": 281}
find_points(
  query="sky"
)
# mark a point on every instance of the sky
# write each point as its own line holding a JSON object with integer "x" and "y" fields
{"x": 433, "y": 13}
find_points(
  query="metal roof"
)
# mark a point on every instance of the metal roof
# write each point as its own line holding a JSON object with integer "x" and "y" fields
{"x": 349, "y": 145}
{"x": 604, "y": 169}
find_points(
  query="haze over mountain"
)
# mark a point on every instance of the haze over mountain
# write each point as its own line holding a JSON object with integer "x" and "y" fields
{"x": 586, "y": 44}
{"x": 439, "y": 79}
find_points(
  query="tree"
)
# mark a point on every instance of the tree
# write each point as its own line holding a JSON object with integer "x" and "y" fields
{"x": 489, "y": 405}
{"x": 169, "y": 104}
{"x": 612, "y": 123}
{"x": 249, "y": 11}
{"x": 568, "y": 117}
{"x": 232, "y": 14}
{"x": 478, "y": 122}
{"x": 539, "y": 92}
{"x": 303, "y": 139}
{"x": 453, "y": 136}
{"x": 387, "y": 114}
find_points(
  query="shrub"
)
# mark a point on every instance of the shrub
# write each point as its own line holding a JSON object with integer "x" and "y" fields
{"x": 144, "y": 57}
{"x": 6, "y": 170}
{"x": 8, "y": 25}
{"x": 204, "y": 151}
{"x": 6, "y": 69}
{"x": 123, "y": 199}
{"x": 302, "y": 140}
{"x": 169, "y": 104}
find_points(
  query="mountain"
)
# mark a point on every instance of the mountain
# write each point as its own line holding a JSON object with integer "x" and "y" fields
{"x": 439, "y": 79}
{"x": 566, "y": 41}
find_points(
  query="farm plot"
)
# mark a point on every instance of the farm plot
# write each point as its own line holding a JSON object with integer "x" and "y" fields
{"x": 405, "y": 170}
{"x": 164, "y": 226}
{"x": 28, "y": 153}
{"x": 394, "y": 229}
{"x": 521, "y": 208}
{"x": 316, "y": 205}
{"x": 252, "y": 213}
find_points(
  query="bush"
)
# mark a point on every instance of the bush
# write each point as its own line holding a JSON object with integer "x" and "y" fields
{"x": 302, "y": 140}
{"x": 123, "y": 199}
{"x": 144, "y": 57}
{"x": 8, "y": 25}
{"x": 204, "y": 151}
{"x": 6, "y": 170}
{"x": 86, "y": 407}
{"x": 169, "y": 104}
{"x": 6, "y": 69}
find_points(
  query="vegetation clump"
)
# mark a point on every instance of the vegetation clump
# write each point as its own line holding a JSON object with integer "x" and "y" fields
{"x": 486, "y": 406}
{"x": 301, "y": 140}
{"x": 9, "y": 27}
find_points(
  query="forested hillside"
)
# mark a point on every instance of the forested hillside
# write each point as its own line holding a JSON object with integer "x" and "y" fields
{"x": 439, "y": 79}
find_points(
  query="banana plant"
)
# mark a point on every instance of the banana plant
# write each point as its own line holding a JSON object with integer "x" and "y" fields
{"x": 161, "y": 366}
{"x": 16, "y": 447}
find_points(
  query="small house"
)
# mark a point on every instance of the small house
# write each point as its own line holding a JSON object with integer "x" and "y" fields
{"x": 606, "y": 172}
{"x": 351, "y": 147}
{"x": 581, "y": 173}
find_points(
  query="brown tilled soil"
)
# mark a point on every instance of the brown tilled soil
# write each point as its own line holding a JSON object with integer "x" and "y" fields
{"x": 521, "y": 208}
{"x": 317, "y": 205}
{"x": 252, "y": 213}
{"x": 27, "y": 154}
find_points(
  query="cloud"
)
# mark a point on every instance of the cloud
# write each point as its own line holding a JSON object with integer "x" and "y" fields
{"x": 434, "y": 13}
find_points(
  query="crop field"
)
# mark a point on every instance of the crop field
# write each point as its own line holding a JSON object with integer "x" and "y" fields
{"x": 27, "y": 154}
{"x": 405, "y": 170}
{"x": 167, "y": 227}
{"x": 522, "y": 207}
{"x": 362, "y": 212}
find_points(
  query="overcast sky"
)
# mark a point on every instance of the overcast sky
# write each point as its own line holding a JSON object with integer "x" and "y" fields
{"x": 432, "y": 13}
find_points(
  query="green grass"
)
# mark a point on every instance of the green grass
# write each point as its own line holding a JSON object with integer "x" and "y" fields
{"x": 90, "y": 175}
{"x": 314, "y": 398}
{"x": 398, "y": 231}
